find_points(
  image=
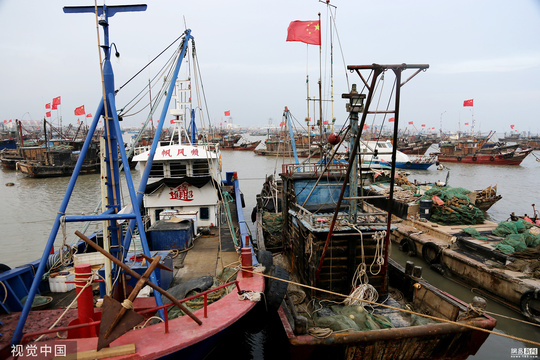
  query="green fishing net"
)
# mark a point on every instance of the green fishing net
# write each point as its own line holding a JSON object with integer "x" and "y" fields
{"x": 516, "y": 235}
{"x": 474, "y": 233}
{"x": 350, "y": 317}
{"x": 458, "y": 208}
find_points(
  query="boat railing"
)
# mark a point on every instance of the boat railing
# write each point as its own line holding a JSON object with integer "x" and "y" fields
{"x": 367, "y": 215}
{"x": 28, "y": 336}
{"x": 338, "y": 169}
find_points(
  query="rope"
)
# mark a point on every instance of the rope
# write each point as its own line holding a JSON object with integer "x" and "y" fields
{"x": 407, "y": 311}
{"x": 5, "y": 292}
{"x": 378, "y": 258}
{"x": 88, "y": 283}
{"x": 127, "y": 304}
{"x": 250, "y": 295}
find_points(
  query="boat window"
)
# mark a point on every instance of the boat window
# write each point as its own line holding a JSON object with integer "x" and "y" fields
{"x": 177, "y": 169}
{"x": 205, "y": 213}
{"x": 157, "y": 170}
{"x": 200, "y": 168}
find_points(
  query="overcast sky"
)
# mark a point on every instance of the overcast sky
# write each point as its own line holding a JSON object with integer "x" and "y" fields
{"x": 484, "y": 50}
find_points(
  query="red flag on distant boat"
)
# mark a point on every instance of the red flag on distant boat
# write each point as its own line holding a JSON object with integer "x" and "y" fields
{"x": 228, "y": 113}
{"x": 80, "y": 110}
{"x": 5, "y": 121}
{"x": 10, "y": 120}
{"x": 325, "y": 122}
{"x": 308, "y": 32}
{"x": 48, "y": 106}
{"x": 56, "y": 101}
{"x": 54, "y": 106}
{"x": 511, "y": 126}
{"x": 172, "y": 121}
{"x": 391, "y": 120}
{"x": 466, "y": 123}
{"x": 48, "y": 114}
{"x": 410, "y": 122}
{"x": 88, "y": 115}
{"x": 365, "y": 127}
{"x": 468, "y": 102}
{"x": 423, "y": 125}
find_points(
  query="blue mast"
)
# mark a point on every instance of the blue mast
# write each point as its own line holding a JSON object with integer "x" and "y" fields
{"x": 112, "y": 133}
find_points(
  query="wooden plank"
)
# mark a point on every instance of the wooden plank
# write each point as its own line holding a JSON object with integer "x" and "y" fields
{"x": 101, "y": 354}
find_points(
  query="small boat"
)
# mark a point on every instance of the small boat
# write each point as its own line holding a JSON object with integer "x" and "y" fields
{"x": 347, "y": 299}
{"x": 143, "y": 289}
{"x": 243, "y": 146}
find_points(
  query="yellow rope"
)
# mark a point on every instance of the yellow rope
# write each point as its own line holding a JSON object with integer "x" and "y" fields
{"x": 404, "y": 310}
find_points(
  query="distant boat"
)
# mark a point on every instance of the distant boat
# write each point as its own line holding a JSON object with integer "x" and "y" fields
{"x": 475, "y": 151}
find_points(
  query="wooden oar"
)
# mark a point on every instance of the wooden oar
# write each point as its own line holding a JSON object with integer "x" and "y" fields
{"x": 137, "y": 276}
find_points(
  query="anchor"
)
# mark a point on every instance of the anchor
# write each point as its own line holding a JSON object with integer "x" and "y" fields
{"x": 126, "y": 319}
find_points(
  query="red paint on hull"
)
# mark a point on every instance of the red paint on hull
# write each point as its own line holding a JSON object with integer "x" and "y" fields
{"x": 489, "y": 159}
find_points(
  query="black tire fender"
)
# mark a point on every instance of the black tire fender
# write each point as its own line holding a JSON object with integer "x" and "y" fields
{"x": 492, "y": 158}
{"x": 407, "y": 245}
{"x": 276, "y": 289}
{"x": 431, "y": 253}
{"x": 474, "y": 158}
{"x": 459, "y": 158}
{"x": 529, "y": 298}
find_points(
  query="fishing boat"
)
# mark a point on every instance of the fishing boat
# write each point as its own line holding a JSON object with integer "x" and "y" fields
{"x": 346, "y": 297}
{"x": 378, "y": 154}
{"x": 474, "y": 151}
{"x": 178, "y": 211}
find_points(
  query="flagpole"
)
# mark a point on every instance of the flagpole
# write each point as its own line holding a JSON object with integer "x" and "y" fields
{"x": 320, "y": 90}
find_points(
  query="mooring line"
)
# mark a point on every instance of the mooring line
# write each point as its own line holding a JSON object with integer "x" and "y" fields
{"x": 399, "y": 309}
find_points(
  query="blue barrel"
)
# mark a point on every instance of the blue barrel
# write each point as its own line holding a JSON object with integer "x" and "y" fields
{"x": 425, "y": 209}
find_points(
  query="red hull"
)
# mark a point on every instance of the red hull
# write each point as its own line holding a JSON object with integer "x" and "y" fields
{"x": 486, "y": 159}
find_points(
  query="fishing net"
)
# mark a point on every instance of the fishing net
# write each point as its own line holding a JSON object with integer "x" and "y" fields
{"x": 458, "y": 208}
{"x": 474, "y": 233}
{"x": 350, "y": 317}
{"x": 511, "y": 227}
{"x": 518, "y": 236}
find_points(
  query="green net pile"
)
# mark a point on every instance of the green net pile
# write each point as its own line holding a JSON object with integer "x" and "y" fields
{"x": 517, "y": 236}
{"x": 350, "y": 317}
{"x": 458, "y": 208}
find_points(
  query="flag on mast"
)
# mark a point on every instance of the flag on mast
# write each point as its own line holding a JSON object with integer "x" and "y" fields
{"x": 80, "y": 110}
{"x": 468, "y": 102}
{"x": 308, "y": 32}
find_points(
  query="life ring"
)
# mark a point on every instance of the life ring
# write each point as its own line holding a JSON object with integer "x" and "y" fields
{"x": 459, "y": 158}
{"x": 530, "y": 305}
{"x": 431, "y": 253}
{"x": 474, "y": 158}
{"x": 492, "y": 158}
{"x": 501, "y": 156}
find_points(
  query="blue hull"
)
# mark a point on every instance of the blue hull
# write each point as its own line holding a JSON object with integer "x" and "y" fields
{"x": 413, "y": 166}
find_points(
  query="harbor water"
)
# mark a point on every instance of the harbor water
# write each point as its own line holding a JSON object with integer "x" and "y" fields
{"x": 29, "y": 207}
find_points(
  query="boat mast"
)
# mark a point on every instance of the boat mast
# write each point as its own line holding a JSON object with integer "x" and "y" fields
{"x": 107, "y": 109}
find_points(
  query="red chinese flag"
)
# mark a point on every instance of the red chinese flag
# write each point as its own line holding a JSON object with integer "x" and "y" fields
{"x": 365, "y": 127}
{"x": 228, "y": 113}
{"x": 423, "y": 125}
{"x": 391, "y": 120}
{"x": 48, "y": 114}
{"x": 172, "y": 121}
{"x": 48, "y": 106}
{"x": 5, "y": 121}
{"x": 466, "y": 123}
{"x": 468, "y": 102}
{"x": 410, "y": 122}
{"x": 511, "y": 126}
{"x": 56, "y": 101}
{"x": 325, "y": 122}
{"x": 308, "y": 32}
{"x": 54, "y": 106}
{"x": 79, "y": 110}
{"x": 88, "y": 115}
